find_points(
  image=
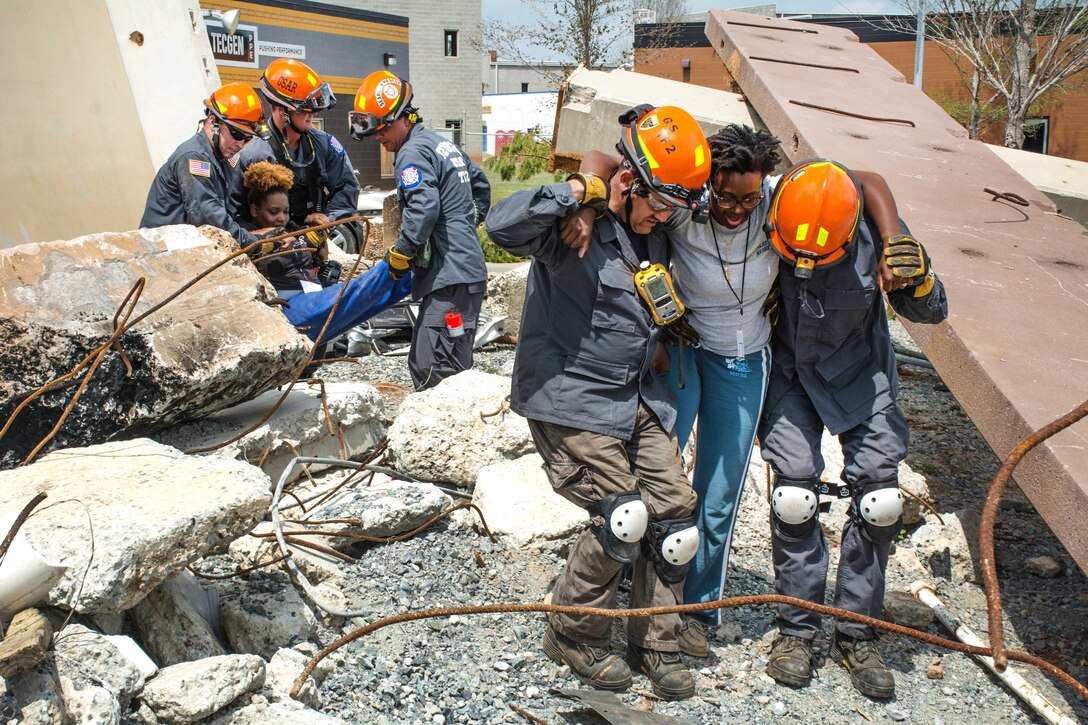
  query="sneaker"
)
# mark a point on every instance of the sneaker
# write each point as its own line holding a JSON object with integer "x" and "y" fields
{"x": 595, "y": 666}
{"x": 868, "y": 673}
{"x": 692, "y": 638}
{"x": 790, "y": 661}
{"x": 670, "y": 679}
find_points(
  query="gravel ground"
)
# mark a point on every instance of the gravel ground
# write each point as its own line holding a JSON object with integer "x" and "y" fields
{"x": 471, "y": 669}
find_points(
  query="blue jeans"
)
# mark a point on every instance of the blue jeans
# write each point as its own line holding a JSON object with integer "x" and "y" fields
{"x": 727, "y": 396}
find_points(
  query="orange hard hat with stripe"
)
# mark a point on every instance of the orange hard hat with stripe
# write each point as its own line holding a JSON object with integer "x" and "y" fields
{"x": 668, "y": 151}
{"x": 814, "y": 215}
{"x": 293, "y": 85}
{"x": 382, "y": 98}
{"x": 237, "y": 105}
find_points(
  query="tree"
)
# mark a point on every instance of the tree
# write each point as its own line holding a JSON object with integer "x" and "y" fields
{"x": 572, "y": 32}
{"x": 666, "y": 16}
{"x": 1018, "y": 50}
{"x": 524, "y": 155}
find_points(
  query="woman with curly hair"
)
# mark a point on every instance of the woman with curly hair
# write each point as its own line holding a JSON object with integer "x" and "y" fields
{"x": 267, "y": 185}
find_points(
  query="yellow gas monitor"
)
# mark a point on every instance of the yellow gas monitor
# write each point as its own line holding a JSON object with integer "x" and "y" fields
{"x": 654, "y": 285}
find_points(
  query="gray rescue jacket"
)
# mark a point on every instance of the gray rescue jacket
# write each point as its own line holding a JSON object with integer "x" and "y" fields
{"x": 586, "y": 340}
{"x": 335, "y": 184}
{"x": 844, "y": 361}
{"x": 193, "y": 187}
{"x": 442, "y": 197}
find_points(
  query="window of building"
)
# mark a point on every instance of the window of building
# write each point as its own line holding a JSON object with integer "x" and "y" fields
{"x": 451, "y": 43}
{"x": 455, "y": 126}
{"x": 1036, "y": 134}
{"x": 524, "y": 87}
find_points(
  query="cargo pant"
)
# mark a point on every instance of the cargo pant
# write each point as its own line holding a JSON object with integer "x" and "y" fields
{"x": 790, "y": 435}
{"x": 584, "y": 467}
{"x": 434, "y": 354}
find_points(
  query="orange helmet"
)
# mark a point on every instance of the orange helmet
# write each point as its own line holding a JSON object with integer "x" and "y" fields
{"x": 237, "y": 105}
{"x": 381, "y": 99}
{"x": 294, "y": 86}
{"x": 814, "y": 215}
{"x": 668, "y": 151}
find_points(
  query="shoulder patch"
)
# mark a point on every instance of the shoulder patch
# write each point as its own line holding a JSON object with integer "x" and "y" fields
{"x": 336, "y": 145}
{"x": 233, "y": 160}
{"x": 410, "y": 177}
{"x": 200, "y": 168}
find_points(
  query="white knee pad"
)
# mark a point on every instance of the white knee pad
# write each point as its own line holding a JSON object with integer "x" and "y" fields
{"x": 794, "y": 506}
{"x": 625, "y": 520}
{"x": 672, "y": 544}
{"x": 879, "y": 507}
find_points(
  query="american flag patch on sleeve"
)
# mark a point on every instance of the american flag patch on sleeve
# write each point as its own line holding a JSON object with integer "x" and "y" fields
{"x": 200, "y": 168}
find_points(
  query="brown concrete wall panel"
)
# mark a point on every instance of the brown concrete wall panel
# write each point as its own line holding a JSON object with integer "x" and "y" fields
{"x": 1014, "y": 350}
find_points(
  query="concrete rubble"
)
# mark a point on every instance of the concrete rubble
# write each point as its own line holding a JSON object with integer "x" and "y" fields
{"x": 216, "y": 344}
{"x": 518, "y": 502}
{"x": 450, "y": 432}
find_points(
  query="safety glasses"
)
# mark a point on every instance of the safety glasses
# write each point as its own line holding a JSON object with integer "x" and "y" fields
{"x": 365, "y": 124}
{"x": 321, "y": 99}
{"x": 656, "y": 204}
{"x": 728, "y": 201}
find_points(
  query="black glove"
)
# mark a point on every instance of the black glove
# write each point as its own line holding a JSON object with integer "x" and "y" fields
{"x": 679, "y": 332}
{"x": 770, "y": 305}
{"x": 328, "y": 272}
{"x": 399, "y": 264}
{"x": 906, "y": 258}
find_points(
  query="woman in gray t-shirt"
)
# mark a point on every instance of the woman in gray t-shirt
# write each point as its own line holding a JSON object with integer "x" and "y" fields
{"x": 723, "y": 271}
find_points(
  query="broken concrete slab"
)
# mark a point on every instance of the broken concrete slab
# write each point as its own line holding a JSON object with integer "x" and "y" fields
{"x": 214, "y": 345}
{"x": 280, "y": 675}
{"x": 519, "y": 503}
{"x": 38, "y": 695}
{"x": 943, "y": 548}
{"x": 264, "y": 613}
{"x": 192, "y": 691}
{"x": 827, "y": 95}
{"x": 506, "y": 296}
{"x": 593, "y": 100}
{"x": 451, "y": 431}
{"x": 89, "y": 704}
{"x": 148, "y": 509}
{"x": 171, "y": 628}
{"x": 384, "y": 508}
{"x": 1064, "y": 181}
{"x": 89, "y": 658}
{"x": 281, "y": 712}
{"x": 300, "y": 426}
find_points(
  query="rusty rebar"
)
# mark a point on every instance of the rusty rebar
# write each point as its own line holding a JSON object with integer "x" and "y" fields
{"x": 383, "y": 539}
{"x": 851, "y": 114}
{"x": 677, "y": 609}
{"x": 987, "y": 563}
{"x": 19, "y": 521}
{"x": 239, "y": 572}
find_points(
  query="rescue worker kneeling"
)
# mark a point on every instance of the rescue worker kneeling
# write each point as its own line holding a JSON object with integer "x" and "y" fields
{"x": 599, "y": 416}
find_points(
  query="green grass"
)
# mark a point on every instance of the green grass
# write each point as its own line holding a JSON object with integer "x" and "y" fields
{"x": 500, "y": 190}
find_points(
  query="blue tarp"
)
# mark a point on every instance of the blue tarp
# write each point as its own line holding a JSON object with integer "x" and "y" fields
{"x": 367, "y": 295}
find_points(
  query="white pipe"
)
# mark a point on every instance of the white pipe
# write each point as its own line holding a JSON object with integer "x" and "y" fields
{"x": 926, "y": 593}
{"x": 25, "y": 577}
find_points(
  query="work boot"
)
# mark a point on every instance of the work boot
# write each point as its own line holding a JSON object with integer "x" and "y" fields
{"x": 790, "y": 661}
{"x": 670, "y": 679}
{"x": 595, "y": 666}
{"x": 868, "y": 672}
{"x": 692, "y": 638}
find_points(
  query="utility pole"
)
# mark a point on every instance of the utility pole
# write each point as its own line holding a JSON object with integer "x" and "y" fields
{"x": 919, "y": 44}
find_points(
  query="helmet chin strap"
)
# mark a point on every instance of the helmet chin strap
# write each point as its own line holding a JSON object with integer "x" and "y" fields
{"x": 215, "y": 138}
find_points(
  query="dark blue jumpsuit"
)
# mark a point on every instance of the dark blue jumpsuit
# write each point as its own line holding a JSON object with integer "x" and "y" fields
{"x": 837, "y": 372}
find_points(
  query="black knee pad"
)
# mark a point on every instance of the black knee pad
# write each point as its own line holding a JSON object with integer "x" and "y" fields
{"x": 795, "y": 506}
{"x": 878, "y": 509}
{"x": 672, "y": 544}
{"x": 625, "y": 518}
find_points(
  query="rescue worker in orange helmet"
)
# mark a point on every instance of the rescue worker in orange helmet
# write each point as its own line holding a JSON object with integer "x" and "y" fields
{"x": 600, "y": 418}
{"x": 442, "y": 196}
{"x": 833, "y": 367}
{"x": 325, "y": 187}
{"x": 193, "y": 186}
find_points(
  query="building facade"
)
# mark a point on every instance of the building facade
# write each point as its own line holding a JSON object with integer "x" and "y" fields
{"x": 1060, "y": 126}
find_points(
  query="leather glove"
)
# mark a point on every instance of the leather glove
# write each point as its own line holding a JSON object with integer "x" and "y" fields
{"x": 316, "y": 239}
{"x": 679, "y": 332}
{"x": 328, "y": 273}
{"x": 905, "y": 257}
{"x": 770, "y": 308}
{"x": 399, "y": 264}
{"x": 595, "y": 194}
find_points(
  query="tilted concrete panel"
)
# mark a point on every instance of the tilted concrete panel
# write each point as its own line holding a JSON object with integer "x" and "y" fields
{"x": 1065, "y": 181}
{"x": 1014, "y": 350}
{"x": 591, "y": 101}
